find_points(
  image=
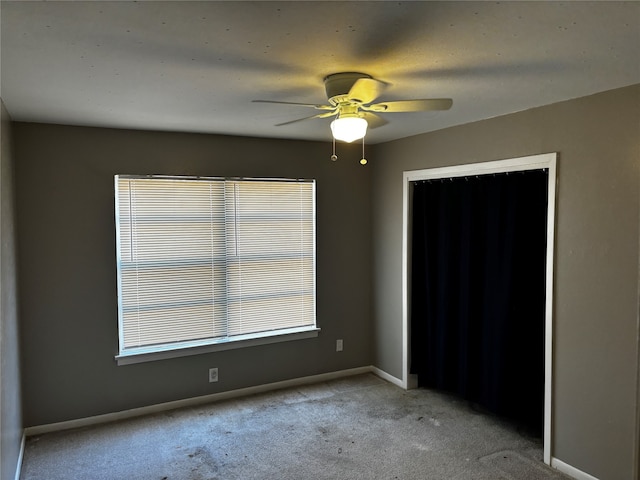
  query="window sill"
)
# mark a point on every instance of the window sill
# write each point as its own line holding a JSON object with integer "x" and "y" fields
{"x": 163, "y": 352}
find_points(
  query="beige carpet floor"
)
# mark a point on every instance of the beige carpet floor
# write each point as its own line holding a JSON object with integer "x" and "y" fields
{"x": 354, "y": 428}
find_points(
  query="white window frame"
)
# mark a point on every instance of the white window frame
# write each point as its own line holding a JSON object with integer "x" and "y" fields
{"x": 161, "y": 351}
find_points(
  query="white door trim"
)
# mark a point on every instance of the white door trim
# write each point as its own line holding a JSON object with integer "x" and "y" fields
{"x": 534, "y": 162}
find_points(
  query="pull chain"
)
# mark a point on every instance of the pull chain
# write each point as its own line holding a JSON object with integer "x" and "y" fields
{"x": 334, "y": 157}
{"x": 363, "y": 161}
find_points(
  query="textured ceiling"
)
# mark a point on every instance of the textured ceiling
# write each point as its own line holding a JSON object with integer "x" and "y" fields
{"x": 196, "y": 66}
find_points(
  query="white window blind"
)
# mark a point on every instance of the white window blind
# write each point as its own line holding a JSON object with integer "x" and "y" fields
{"x": 212, "y": 260}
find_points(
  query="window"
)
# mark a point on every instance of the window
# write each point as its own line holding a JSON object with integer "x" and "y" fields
{"x": 205, "y": 262}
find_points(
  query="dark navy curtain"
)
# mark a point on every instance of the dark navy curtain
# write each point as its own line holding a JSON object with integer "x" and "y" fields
{"x": 478, "y": 290}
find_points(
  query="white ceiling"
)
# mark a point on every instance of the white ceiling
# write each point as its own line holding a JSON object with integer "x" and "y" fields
{"x": 196, "y": 66}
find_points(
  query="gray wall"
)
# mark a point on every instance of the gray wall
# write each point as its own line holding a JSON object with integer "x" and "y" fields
{"x": 10, "y": 398}
{"x": 65, "y": 200}
{"x": 596, "y": 264}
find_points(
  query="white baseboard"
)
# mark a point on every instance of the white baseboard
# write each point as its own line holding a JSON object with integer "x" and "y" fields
{"x": 190, "y": 402}
{"x": 389, "y": 378}
{"x": 571, "y": 471}
{"x": 20, "y": 456}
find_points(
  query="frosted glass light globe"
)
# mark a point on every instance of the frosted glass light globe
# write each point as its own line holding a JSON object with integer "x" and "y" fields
{"x": 349, "y": 129}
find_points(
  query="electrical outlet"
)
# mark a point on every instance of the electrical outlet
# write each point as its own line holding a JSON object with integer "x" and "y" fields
{"x": 213, "y": 375}
{"x": 339, "y": 345}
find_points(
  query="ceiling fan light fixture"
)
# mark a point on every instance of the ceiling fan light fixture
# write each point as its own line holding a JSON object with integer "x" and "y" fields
{"x": 348, "y": 129}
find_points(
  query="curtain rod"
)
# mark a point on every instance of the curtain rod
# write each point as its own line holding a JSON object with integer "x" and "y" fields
{"x": 479, "y": 176}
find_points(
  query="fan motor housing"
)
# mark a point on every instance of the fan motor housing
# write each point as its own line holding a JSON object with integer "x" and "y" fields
{"x": 337, "y": 85}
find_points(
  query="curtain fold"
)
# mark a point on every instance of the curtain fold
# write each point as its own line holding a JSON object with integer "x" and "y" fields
{"x": 478, "y": 290}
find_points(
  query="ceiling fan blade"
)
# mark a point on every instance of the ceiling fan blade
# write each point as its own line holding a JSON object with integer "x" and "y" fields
{"x": 317, "y": 107}
{"x": 320, "y": 115}
{"x": 374, "y": 120}
{"x": 366, "y": 90}
{"x": 411, "y": 105}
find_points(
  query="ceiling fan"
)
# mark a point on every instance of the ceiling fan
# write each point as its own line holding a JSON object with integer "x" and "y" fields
{"x": 350, "y": 96}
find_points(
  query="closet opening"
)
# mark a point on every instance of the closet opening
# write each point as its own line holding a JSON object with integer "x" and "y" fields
{"x": 478, "y": 272}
